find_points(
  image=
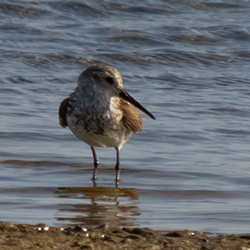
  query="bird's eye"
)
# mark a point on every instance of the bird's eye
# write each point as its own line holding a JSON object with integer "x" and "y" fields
{"x": 109, "y": 80}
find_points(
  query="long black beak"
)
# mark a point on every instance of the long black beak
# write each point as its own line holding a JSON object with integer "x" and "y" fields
{"x": 125, "y": 96}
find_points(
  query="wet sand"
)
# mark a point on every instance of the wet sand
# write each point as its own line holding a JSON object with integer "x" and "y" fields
{"x": 13, "y": 237}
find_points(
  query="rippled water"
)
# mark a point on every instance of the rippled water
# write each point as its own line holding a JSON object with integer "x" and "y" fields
{"x": 186, "y": 61}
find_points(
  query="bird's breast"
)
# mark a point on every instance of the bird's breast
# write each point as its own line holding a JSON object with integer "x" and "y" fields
{"x": 98, "y": 125}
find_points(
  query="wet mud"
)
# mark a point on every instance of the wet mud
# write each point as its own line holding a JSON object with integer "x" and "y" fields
{"x": 13, "y": 237}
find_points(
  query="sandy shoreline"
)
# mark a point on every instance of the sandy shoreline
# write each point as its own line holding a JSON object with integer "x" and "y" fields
{"x": 13, "y": 237}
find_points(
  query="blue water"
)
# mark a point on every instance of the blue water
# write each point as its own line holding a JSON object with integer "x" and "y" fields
{"x": 185, "y": 61}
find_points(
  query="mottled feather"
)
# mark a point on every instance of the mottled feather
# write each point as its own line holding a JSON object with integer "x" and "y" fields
{"x": 63, "y": 110}
{"x": 131, "y": 117}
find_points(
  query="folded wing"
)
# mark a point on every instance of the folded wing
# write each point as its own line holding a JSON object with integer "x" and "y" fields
{"x": 63, "y": 109}
{"x": 131, "y": 117}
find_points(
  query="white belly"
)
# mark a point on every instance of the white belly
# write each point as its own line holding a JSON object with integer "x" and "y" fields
{"x": 112, "y": 138}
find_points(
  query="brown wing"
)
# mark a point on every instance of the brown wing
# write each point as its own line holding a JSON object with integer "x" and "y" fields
{"x": 63, "y": 109}
{"x": 131, "y": 118}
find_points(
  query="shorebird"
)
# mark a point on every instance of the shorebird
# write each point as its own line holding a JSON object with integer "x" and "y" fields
{"x": 100, "y": 112}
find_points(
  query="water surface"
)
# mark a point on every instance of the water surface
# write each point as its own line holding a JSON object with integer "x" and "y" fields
{"x": 185, "y": 61}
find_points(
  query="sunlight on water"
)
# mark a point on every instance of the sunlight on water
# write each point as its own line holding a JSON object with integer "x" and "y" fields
{"x": 185, "y": 61}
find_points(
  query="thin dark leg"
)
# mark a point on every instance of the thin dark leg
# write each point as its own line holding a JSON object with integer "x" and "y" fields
{"x": 117, "y": 166}
{"x": 96, "y": 162}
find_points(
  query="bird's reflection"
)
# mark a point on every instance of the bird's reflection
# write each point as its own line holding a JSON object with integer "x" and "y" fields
{"x": 93, "y": 206}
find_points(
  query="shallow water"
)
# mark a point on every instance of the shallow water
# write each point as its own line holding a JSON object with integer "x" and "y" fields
{"x": 185, "y": 61}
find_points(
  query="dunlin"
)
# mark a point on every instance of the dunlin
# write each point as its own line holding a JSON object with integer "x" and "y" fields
{"x": 100, "y": 112}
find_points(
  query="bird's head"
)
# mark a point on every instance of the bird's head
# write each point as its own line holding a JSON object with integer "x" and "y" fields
{"x": 107, "y": 81}
{"x": 103, "y": 79}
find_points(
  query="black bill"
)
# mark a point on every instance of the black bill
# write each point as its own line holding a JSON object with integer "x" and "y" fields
{"x": 125, "y": 96}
